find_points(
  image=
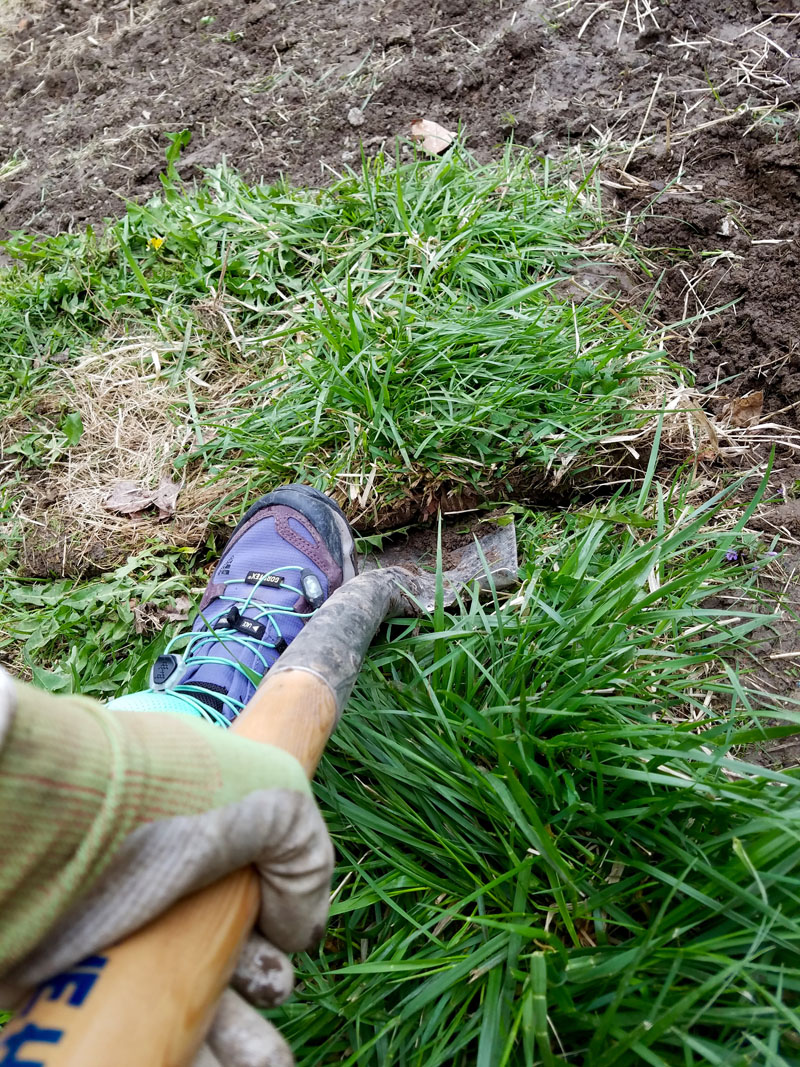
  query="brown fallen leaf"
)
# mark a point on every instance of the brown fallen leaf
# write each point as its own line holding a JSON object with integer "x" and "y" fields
{"x": 431, "y": 136}
{"x": 166, "y": 497}
{"x": 142, "y": 616}
{"x": 149, "y": 618}
{"x": 744, "y": 410}
{"x": 128, "y": 498}
{"x": 180, "y": 610}
{"x": 708, "y": 455}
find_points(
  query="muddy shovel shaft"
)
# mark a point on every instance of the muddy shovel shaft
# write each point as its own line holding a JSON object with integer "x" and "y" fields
{"x": 148, "y": 1001}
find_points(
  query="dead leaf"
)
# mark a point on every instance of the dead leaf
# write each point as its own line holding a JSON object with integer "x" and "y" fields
{"x": 431, "y": 136}
{"x": 708, "y": 455}
{"x": 145, "y": 616}
{"x": 745, "y": 410}
{"x": 149, "y": 618}
{"x": 166, "y": 497}
{"x": 180, "y": 610}
{"x": 128, "y": 498}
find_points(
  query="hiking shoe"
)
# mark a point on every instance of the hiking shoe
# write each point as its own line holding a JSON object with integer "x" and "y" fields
{"x": 286, "y": 556}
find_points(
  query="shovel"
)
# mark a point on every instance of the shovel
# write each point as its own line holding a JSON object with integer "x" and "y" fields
{"x": 152, "y": 997}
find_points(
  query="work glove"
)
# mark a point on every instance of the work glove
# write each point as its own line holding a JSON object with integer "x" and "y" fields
{"x": 107, "y": 818}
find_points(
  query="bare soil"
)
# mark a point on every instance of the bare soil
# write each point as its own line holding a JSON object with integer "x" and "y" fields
{"x": 699, "y": 96}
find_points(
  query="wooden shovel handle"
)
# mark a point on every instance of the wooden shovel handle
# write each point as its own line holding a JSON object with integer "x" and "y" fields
{"x": 148, "y": 1002}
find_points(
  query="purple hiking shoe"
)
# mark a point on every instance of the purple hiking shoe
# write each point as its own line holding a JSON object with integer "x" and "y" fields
{"x": 288, "y": 553}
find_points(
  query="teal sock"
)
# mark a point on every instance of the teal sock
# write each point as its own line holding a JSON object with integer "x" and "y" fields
{"x": 150, "y": 701}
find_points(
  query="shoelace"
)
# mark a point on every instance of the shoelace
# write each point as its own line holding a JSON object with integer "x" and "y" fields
{"x": 192, "y": 656}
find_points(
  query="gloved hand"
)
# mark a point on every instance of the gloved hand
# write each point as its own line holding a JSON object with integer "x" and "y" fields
{"x": 107, "y": 818}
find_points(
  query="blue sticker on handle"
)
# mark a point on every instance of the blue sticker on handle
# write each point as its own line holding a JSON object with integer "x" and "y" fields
{"x": 71, "y": 988}
{"x": 30, "y": 1034}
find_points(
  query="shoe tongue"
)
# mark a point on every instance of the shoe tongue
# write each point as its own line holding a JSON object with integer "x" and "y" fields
{"x": 209, "y": 699}
{"x": 216, "y": 686}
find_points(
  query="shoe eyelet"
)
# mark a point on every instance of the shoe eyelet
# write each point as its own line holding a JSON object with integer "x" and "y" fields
{"x": 166, "y": 672}
{"x": 312, "y": 589}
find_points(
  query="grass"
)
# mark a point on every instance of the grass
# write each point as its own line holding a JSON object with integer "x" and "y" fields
{"x": 551, "y": 847}
{"x": 58, "y": 632}
{"x": 548, "y": 850}
{"x": 403, "y": 326}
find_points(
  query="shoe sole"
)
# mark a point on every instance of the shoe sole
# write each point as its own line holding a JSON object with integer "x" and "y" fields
{"x": 299, "y": 497}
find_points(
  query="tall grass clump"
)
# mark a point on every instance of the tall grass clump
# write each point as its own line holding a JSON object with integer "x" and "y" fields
{"x": 409, "y": 325}
{"x": 551, "y": 849}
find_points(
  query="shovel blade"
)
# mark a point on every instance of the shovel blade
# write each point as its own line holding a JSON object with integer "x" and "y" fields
{"x": 463, "y": 544}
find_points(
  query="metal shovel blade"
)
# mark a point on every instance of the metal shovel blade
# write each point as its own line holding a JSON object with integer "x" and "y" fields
{"x": 463, "y": 542}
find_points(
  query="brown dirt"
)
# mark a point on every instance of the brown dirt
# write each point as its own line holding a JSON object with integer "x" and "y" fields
{"x": 773, "y": 665}
{"x": 743, "y": 248}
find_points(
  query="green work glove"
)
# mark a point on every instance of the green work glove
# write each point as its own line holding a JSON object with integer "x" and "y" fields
{"x": 107, "y": 818}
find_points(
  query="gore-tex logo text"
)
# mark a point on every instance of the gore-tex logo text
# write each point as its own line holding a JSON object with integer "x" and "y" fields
{"x": 263, "y": 578}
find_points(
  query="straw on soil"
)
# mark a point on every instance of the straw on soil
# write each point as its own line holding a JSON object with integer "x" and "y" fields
{"x": 136, "y": 426}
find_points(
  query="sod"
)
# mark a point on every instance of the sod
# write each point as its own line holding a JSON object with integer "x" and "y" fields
{"x": 550, "y": 849}
{"x": 403, "y": 330}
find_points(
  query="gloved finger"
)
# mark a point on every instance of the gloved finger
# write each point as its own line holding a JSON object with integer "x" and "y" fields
{"x": 264, "y": 976}
{"x": 280, "y": 830}
{"x": 206, "y": 1058}
{"x": 295, "y": 868}
{"x": 240, "y": 1037}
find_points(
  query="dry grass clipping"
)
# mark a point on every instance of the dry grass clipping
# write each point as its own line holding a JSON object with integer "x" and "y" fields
{"x": 137, "y": 422}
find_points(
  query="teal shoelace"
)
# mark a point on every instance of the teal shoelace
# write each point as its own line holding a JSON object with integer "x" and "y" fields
{"x": 193, "y": 643}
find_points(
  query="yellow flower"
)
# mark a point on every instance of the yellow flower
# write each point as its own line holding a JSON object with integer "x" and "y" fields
{"x": 155, "y": 243}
